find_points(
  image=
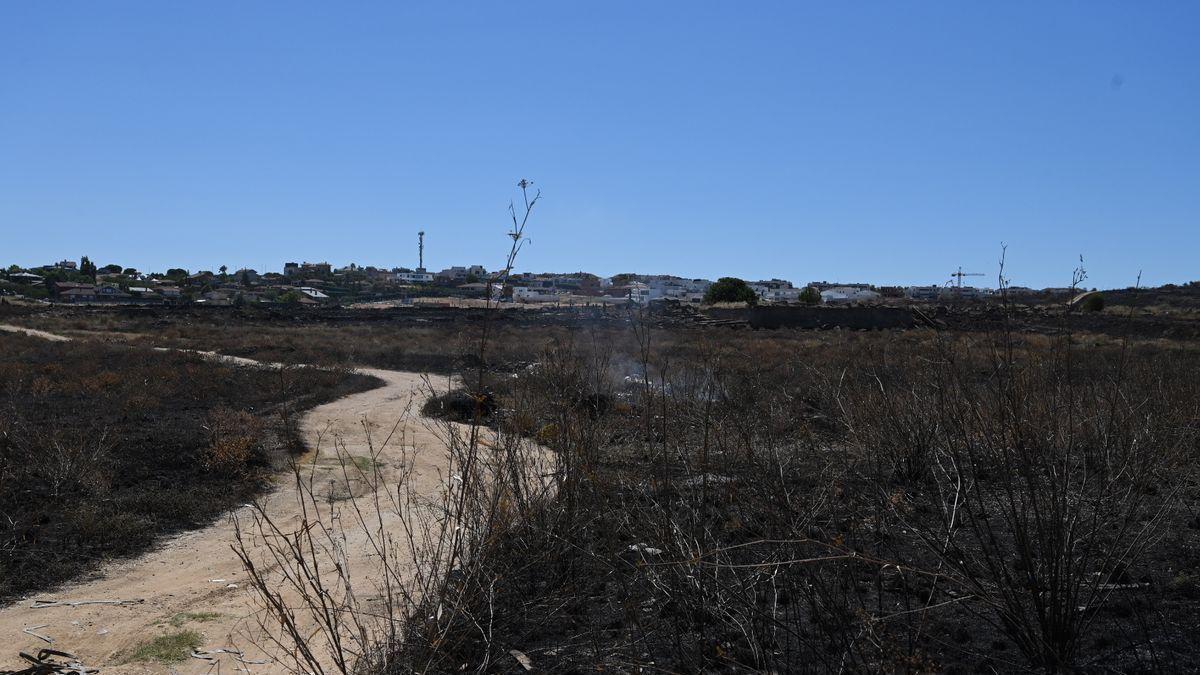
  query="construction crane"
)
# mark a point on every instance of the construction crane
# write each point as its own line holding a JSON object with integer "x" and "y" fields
{"x": 421, "y": 250}
{"x": 960, "y": 274}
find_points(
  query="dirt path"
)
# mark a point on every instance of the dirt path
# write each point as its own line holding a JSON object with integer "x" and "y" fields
{"x": 34, "y": 333}
{"x": 194, "y": 581}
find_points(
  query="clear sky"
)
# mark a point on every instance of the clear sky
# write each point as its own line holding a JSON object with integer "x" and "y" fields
{"x": 886, "y": 142}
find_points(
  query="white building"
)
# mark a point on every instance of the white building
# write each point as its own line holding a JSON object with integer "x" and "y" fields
{"x": 642, "y": 293}
{"x": 668, "y": 288}
{"x": 829, "y": 285}
{"x": 313, "y": 293}
{"x": 663, "y": 288}
{"x": 643, "y": 289}
{"x": 923, "y": 292}
{"x": 782, "y": 295}
{"x": 635, "y": 291}
{"x": 534, "y": 294}
{"x": 413, "y": 277}
{"x": 460, "y": 273}
{"x": 841, "y": 295}
{"x": 776, "y": 290}
{"x": 964, "y": 293}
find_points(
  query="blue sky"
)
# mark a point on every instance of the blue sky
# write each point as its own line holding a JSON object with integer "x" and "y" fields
{"x": 884, "y": 142}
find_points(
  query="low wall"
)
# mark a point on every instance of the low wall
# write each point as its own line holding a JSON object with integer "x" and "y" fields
{"x": 855, "y": 318}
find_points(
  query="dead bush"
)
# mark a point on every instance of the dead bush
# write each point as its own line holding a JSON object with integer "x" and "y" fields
{"x": 234, "y": 442}
{"x": 1050, "y": 470}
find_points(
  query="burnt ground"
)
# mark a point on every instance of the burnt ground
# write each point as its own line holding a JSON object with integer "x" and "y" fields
{"x": 594, "y": 600}
{"x": 794, "y": 548}
{"x": 572, "y": 594}
{"x": 106, "y": 449}
{"x": 1117, "y": 321}
{"x": 1171, "y": 313}
{"x": 601, "y": 595}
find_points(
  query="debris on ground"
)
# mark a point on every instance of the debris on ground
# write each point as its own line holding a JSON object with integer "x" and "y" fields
{"x": 48, "y": 661}
{"x": 32, "y": 630}
{"x": 520, "y": 656}
{"x": 642, "y": 548}
{"x": 43, "y": 604}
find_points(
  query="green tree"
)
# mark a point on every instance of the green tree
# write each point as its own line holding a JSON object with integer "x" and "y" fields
{"x": 111, "y": 269}
{"x": 223, "y": 270}
{"x": 177, "y": 273}
{"x": 730, "y": 289}
{"x": 810, "y": 296}
{"x": 129, "y": 271}
{"x": 1094, "y": 303}
{"x": 87, "y": 268}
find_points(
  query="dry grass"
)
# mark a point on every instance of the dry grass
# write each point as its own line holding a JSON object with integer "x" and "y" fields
{"x": 182, "y": 618}
{"x": 170, "y": 648}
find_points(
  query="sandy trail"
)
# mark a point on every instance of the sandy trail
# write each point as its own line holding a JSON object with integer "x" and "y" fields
{"x": 198, "y": 572}
{"x": 34, "y": 333}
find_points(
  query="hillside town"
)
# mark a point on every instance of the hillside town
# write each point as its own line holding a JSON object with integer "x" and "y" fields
{"x": 320, "y": 283}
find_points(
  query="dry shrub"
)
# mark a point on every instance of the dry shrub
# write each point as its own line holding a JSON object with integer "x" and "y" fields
{"x": 234, "y": 441}
{"x": 1049, "y": 471}
{"x": 548, "y": 434}
{"x": 68, "y": 463}
{"x": 41, "y": 388}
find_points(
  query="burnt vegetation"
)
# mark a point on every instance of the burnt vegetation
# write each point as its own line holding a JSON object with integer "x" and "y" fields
{"x": 907, "y": 502}
{"x": 1019, "y": 498}
{"x": 104, "y": 449}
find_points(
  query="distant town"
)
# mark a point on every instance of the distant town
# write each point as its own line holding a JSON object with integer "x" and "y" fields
{"x": 320, "y": 283}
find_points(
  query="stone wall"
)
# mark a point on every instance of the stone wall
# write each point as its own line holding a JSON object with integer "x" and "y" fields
{"x": 855, "y": 318}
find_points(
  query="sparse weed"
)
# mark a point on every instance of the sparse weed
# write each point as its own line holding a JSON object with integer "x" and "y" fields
{"x": 181, "y": 618}
{"x": 169, "y": 648}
